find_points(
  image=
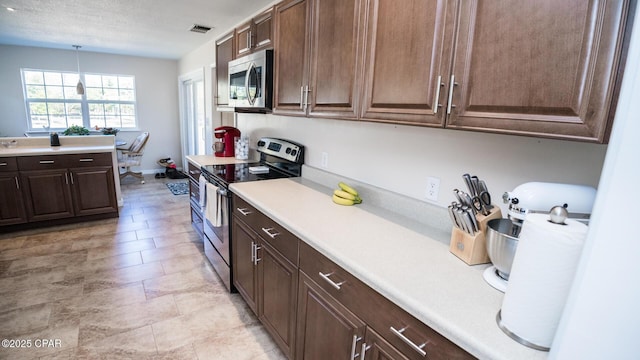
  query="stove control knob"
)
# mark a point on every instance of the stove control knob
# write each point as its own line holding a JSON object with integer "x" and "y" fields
{"x": 294, "y": 152}
{"x": 261, "y": 143}
{"x": 288, "y": 151}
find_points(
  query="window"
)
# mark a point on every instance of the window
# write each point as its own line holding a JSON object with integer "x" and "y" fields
{"x": 52, "y": 101}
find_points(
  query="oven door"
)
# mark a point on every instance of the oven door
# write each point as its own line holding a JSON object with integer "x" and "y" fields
{"x": 217, "y": 239}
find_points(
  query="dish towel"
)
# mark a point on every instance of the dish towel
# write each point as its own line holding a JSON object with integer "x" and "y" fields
{"x": 213, "y": 209}
{"x": 202, "y": 184}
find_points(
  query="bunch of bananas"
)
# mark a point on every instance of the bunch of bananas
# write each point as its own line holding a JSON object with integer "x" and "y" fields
{"x": 346, "y": 195}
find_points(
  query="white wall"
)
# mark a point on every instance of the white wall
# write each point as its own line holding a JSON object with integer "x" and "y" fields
{"x": 156, "y": 93}
{"x": 400, "y": 158}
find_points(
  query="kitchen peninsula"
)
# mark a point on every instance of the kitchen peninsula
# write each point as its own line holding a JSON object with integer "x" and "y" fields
{"x": 45, "y": 185}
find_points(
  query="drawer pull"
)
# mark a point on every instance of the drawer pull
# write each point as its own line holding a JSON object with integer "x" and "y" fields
{"x": 192, "y": 172}
{"x": 86, "y": 160}
{"x": 271, "y": 234}
{"x": 193, "y": 194}
{"x": 244, "y": 211}
{"x": 17, "y": 183}
{"x": 46, "y": 161}
{"x": 418, "y": 348}
{"x": 331, "y": 282}
{"x": 364, "y": 350}
{"x": 3, "y": 164}
{"x": 356, "y": 338}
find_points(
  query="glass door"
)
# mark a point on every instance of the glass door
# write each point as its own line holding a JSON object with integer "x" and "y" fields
{"x": 193, "y": 117}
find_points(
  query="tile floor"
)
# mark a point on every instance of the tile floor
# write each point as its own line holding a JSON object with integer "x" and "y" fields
{"x": 135, "y": 287}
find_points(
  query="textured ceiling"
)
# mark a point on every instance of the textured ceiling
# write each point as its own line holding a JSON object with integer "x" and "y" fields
{"x": 150, "y": 28}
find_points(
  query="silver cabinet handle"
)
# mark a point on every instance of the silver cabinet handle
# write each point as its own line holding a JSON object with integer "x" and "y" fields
{"x": 244, "y": 211}
{"x": 255, "y": 254}
{"x": 193, "y": 194}
{"x": 436, "y": 100}
{"x": 249, "y": 40}
{"x": 71, "y": 176}
{"x": 271, "y": 234}
{"x": 306, "y": 97}
{"x": 46, "y": 161}
{"x": 302, "y": 97}
{"x": 66, "y": 178}
{"x": 418, "y": 348}
{"x": 451, "y": 85}
{"x": 192, "y": 172}
{"x": 3, "y": 164}
{"x": 331, "y": 282}
{"x": 86, "y": 160}
{"x": 17, "y": 182}
{"x": 356, "y": 338}
{"x": 364, "y": 350}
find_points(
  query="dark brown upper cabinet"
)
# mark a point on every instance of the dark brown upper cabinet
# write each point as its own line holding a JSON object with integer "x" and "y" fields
{"x": 541, "y": 69}
{"x": 225, "y": 50}
{"x": 545, "y": 68}
{"x": 318, "y": 47}
{"x": 254, "y": 35}
{"x": 408, "y": 51}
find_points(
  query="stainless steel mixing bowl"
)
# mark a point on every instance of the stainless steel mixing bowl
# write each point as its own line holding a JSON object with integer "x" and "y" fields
{"x": 501, "y": 245}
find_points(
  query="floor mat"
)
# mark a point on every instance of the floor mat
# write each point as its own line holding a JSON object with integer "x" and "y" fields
{"x": 178, "y": 188}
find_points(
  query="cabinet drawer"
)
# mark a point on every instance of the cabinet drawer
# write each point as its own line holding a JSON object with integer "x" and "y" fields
{"x": 377, "y": 311}
{"x": 87, "y": 160}
{"x": 340, "y": 284}
{"x": 42, "y": 162}
{"x": 8, "y": 164}
{"x": 277, "y": 236}
{"x": 194, "y": 171}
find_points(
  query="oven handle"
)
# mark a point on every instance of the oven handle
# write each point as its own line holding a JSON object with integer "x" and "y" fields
{"x": 222, "y": 192}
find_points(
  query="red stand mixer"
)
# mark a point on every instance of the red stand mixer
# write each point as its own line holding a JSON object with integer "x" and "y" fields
{"x": 225, "y": 147}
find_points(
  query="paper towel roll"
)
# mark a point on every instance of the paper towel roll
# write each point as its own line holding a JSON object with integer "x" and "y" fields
{"x": 541, "y": 275}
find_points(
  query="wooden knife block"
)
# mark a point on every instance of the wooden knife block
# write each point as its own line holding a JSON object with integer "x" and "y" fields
{"x": 473, "y": 249}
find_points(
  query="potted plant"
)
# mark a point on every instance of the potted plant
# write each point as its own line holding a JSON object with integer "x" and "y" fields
{"x": 109, "y": 131}
{"x": 76, "y": 130}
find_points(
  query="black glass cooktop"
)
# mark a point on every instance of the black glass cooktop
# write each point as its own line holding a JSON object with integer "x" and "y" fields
{"x": 234, "y": 173}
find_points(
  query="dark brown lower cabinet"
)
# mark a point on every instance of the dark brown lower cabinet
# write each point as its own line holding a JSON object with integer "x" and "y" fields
{"x": 48, "y": 194}
{"x": 316, "y": 310}
{"x": 267, "y": 281}
{"x": 12, "y": 209}
{"x": 326, "y": 328}
{"x": 93, "y": 190}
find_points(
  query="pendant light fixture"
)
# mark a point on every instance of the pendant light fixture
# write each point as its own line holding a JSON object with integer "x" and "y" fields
{"x": 80, "y": 86}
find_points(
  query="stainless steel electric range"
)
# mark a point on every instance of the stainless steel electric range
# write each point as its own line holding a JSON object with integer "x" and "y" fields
{"x": 279, "y": 158}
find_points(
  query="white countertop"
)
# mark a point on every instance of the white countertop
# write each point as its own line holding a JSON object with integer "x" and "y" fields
{"x": 69, "y": 145}
{"x": 204, "y": 160}
{"x": 411, "y": 269}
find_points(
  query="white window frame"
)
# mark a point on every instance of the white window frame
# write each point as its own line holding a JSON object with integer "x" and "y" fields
{"x": 87, "y": 120}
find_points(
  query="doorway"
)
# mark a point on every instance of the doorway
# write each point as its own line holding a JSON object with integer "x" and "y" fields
{"x": 192, "y": 114}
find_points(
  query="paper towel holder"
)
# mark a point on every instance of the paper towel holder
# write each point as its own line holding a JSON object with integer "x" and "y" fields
{"x": 516, "y": 337}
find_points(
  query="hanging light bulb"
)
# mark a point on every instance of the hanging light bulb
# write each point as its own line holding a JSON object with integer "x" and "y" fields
{"x": 80, "y": 86}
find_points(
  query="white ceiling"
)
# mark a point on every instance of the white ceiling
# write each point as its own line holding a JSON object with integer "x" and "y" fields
{"x": 150, "y": 28}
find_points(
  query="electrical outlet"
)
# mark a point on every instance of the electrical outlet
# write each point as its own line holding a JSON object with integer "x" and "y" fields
{"x": 324, "y": 162}
{"x": 433, "y": 187}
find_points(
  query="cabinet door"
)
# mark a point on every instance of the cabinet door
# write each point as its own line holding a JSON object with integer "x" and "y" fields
{"x": 48, "y": 195}
{"x": 543, "y": 68}
{"x": 224, "y": 54}
{"x": 278, "y": 286}
{"x": 243, "y": 39}
{"x": 93, "y": 190}
{"x": 11, "y": 199}
{"x": 407, "y": 61}
{"x": 290, "y": 57}
{"x": 262, "y": 34}
{"x": 326, "y": 329}
{"x": 336, "y": 50}
{"x": 376, "y": 348}
{"x": 244, "y": 271}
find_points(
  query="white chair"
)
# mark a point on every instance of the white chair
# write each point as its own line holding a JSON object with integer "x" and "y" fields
{"x": 133, "y": 156}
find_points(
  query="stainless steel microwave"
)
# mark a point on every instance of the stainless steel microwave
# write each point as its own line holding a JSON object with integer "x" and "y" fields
{"x": 251, "y": 82}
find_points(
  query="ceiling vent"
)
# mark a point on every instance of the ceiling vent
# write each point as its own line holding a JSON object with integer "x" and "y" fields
{"x": 200, "y": 29}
